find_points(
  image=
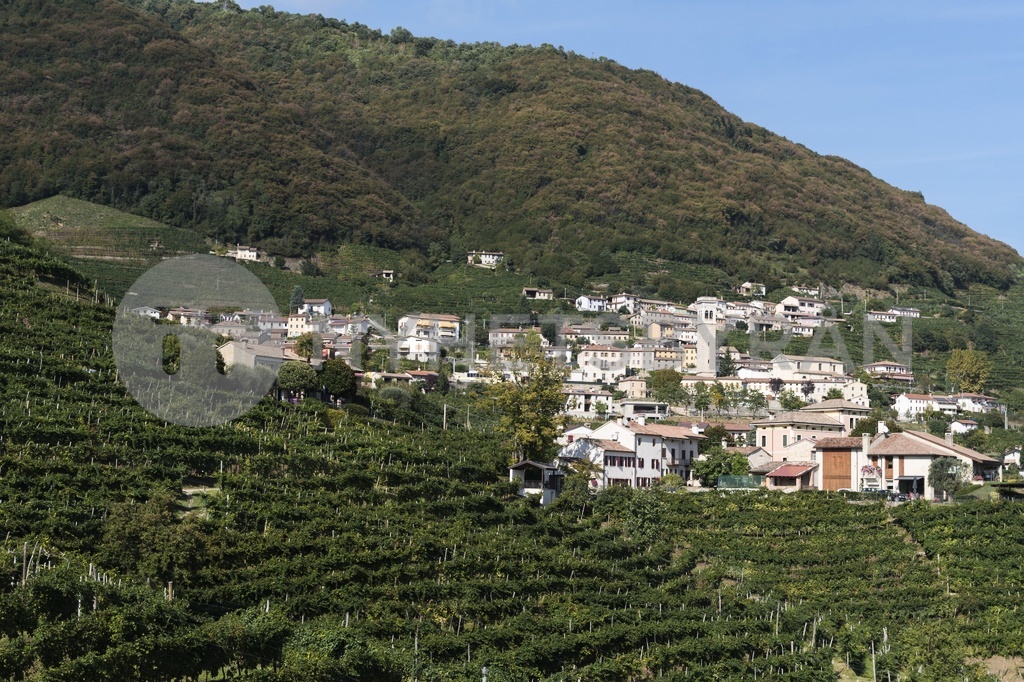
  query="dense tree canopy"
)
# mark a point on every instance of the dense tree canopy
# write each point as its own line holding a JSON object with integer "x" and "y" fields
{"x": 295, "y": 133}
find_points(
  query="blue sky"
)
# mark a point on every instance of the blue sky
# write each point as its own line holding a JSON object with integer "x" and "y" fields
{"x": 924, "y": 95}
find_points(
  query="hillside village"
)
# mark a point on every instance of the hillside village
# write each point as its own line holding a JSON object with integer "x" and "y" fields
{"x": 796, "y": 418}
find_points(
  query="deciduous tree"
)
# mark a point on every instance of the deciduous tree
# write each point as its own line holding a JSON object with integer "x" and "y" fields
{"x": 716, "y": 462}
{"x": 664, "y": 385}
{"x": 948, "y": 474}
{"x": 968, "y": 370}
{"x": 338, "y": 379}
{"x": 297, "y": 377}
{"x": 307, "y": 344}
{"x": 530, "y": 402}
{"x": 790, "y": 401}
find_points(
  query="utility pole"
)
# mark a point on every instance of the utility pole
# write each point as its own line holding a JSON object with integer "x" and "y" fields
{"x": 445, "y": 422}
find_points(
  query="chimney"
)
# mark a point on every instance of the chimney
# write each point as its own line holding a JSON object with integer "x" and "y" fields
{"x": 641, "y": 420}
{"x": 882, "y": 428}
{"x": 865, "y": 444}
{"x": 949, "y": 438}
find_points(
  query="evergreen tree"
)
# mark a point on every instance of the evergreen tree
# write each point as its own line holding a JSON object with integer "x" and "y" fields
{"x": 727, "y": 365}
{"x": 297, "y": 299}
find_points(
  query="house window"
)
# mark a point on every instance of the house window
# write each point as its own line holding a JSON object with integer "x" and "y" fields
{"x": 641, "y": 463}
{"x": 785, "y": 440}
{"x": 764, "y": 441}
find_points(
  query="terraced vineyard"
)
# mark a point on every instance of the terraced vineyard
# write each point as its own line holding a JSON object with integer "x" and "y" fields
{"x": 90, "y": 231}
{"x": 305, "y": 543}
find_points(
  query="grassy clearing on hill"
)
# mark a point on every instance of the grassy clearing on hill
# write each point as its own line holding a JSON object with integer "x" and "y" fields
{"x": 90, "y": 231}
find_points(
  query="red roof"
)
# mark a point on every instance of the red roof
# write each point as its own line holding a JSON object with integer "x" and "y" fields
{"x": 610, "y": 445}
{"x": 791, "y": 471}
{"x": 839, "y": 443}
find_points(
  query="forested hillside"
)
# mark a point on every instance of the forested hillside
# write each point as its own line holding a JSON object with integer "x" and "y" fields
{"x": 296, "y": 133}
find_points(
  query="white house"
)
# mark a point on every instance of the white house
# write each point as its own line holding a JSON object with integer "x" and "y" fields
{"x": 910, "y": 406}
{"x": 485, "y": 259}
{"x": 190, "y": 317}
{"x": 905, "y": 312}
{"x": 272, "y": 323}
{"x": 430, "y": 326}
{"x": 649, "y": 359}
{"x": 881, "y": 316}
{"x": 533, "y": 293}
{"x": 961, "y": 426}
{"x": 245, "y": 253}
{"x": 505, "y": 337}
{"x": 582, "y": 402}
{"x": 572, "y": 433}
{"x": 356, "y": 325}
{"x": 976, "y": 402}
{"x": 317, "y": 306}
{"x": 537, "y": 478}
{"x": 751, "y": 289}
{"x": 804, "y": 367}
{"x": 793, "y": 307}
{"x": 889, "y": 371}
{"x": 629, "y": 302}
{"x": 146, "y": 311}
{"x": 591, "y": 304}
{"x": 606, "y": 364}
{"x": 635, "y": 454}
{"x": 419, "y": 349}
{"x": 593, "y": 335}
